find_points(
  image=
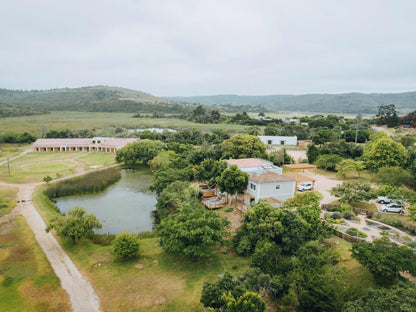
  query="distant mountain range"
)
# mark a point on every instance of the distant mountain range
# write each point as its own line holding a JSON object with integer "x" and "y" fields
{"x": 351, "y": 103}
{"x": 114, "y": 99}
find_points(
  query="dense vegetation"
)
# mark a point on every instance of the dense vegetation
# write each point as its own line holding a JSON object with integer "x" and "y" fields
{"x": 89, "y": 183}
{"x": 352, "y": 103}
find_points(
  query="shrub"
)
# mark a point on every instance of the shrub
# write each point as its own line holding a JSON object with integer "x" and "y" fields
{"x": 336, "y": 209}
{"x": 229, "y": 209}
{"x": 348, "y": 216}
{"x": 362, "y": 234}
{"x": 126, "y": 245}
{"x": 336, "y": 215}
{"x": 352, "y": 231}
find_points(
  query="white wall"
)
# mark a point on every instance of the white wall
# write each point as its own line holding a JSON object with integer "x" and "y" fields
{"x": 264, "y": 190}
{"x": 277, "y": 140}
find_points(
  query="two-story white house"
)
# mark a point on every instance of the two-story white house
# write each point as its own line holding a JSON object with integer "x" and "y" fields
{"x": 265, "y": 182}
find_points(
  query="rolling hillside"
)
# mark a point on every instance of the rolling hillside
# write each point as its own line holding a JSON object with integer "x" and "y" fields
{"x": 351, "y": 103}
{"x": 89, "y": 99}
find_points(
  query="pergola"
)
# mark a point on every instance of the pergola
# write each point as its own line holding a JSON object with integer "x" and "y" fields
{"x": 299, "y": 178}
{"x": 298, "y": 167}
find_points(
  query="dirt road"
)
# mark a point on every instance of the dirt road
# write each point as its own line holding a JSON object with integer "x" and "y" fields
{"x": 81, "y": 293}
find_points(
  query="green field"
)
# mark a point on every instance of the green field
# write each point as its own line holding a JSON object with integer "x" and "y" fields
{"x": 34, "y": 166}
{"x": 7, "y": 199}
{"x": 100, "y": 121}
{"x": 27, "y": 282}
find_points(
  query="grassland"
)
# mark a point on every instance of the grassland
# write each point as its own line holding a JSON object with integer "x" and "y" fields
{"x": 11, "y": 150}
{"x": 84, "y": 120}
{"x": 32, "y": 167}
{"x": 7, "y": 199}
{"x": 27, "y": 282}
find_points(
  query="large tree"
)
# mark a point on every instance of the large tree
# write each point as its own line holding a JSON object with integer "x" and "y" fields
{"x": 382, "y": 151}
{"x": 353, "y": 191}
{"x": 385, "y": 260}
{"x": 243, "y": 146}
{"x": 387, "y": 115}
{"x": 75, "y": 225}
{"x": 142, "y": 151}
{"x": 232, "y": 180}
{"x": 192, "y": 231}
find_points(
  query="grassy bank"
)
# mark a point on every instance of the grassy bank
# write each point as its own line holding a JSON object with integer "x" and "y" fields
{"x": 27, "y": 282}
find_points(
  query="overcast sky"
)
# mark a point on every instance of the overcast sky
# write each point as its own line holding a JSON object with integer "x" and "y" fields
{"x": 210, "y": 47}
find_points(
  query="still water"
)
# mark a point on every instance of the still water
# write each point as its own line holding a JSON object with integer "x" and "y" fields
{"x": 126, "y": 205}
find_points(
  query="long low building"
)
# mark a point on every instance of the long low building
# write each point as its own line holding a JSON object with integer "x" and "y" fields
{"x": 278, "y": 140}
{"x": 77, "y": 145}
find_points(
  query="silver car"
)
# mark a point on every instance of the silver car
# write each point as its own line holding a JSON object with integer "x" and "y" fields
{"x": 392, "y": 207}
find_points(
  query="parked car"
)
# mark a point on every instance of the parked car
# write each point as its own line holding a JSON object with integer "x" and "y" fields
{"x": 392, "y": 207}
{"x": 305, "y": 186}
{"x": 383, "y": 199}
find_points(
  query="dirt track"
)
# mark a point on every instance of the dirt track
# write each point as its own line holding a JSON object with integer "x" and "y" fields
{"x": 81, "y": 293}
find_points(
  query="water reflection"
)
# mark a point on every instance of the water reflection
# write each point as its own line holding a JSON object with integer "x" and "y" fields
{"x": 125, "y": 206}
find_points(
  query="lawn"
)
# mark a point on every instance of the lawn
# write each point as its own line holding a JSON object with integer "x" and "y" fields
{"x": 11, "y": 150}
{"x": 27, "y": 282}
{"x": 100, "y": 121}
{"x": 7, "y": 199}
{"x": 173, "y": 284}
{"x": 34, "y": 166}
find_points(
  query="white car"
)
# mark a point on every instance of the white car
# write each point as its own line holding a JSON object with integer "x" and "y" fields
{"x": 305, "y": 186}
{"x": 383, "y": 199}
{"x": 392, "y": 207}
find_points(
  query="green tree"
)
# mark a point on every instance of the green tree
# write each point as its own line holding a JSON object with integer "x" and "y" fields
{"x": 348, "y": 166}
{"x": 209, "y": 169}
{"x": 281, "y": 157}
{"x": 394, "y": 176}
{"x": 192, "y": 232}
{"x": 313, "y": 153}
{"x": 401, "y": 298}
{"x": 142, "y": 151}
{"x": 75, "y": 225}
{"x": 248, "y": 302}
{"x": 271, "y": 129}
{"x": 252, "y": 130}
{"x": 174, "y": 195}
{"x": 212, "y": 292}
{"x": 126, "y": 245}
{"x": 162, "y": 160}
{"x": 382, "y": 151}
{"x": 384, "y": 260}
{"x": 328, "y": 161}
{"x": 232, "y": 180}
{"x": 243, "y": 146}
{"x": 47, "y": 179}
{"x": 323, "y": 135}
{"x": 387, "y": 115}
{"x": 353, "y": 191}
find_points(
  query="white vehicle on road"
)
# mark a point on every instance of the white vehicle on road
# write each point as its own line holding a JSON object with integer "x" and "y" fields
{"x": 383, "y": 200}
{"x": 392, "y": 207}
{"x": 305, "y": 186}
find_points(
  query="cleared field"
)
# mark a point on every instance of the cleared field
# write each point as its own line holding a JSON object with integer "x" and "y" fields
{"x": 27, "y": 282}
{"x": 84, "y": 120}
{"x": 170, "y": 284}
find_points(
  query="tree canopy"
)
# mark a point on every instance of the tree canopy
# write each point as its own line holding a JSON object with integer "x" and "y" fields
{"x": 75, "y": 225}
{"x": 243, "y": 146}
{"x": 142, "y": 151}
{"x": 192, "y": 232}
{"x": 382, "y": 151}
{"x": 232, "y": 180}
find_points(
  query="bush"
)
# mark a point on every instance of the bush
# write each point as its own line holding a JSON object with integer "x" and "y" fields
{"x": 352, "y": 231}
{"x": 336, "y": 209}
{"x": 336, "y": 215}
{"x": 229, "y": 209}
{"x": 348, "y": 216}
{"x": 126, "y": 245}
{"x": 362, "y": 234}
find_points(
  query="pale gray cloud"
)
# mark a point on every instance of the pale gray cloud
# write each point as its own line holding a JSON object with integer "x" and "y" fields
{"x": 210, "y": 47}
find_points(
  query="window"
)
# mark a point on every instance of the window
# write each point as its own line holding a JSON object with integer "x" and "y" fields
{"x": 282, "y": 142}
{"x": 277, "y": 186}
{"x": 252, "y": 186}
{"x": 269, "y": 142}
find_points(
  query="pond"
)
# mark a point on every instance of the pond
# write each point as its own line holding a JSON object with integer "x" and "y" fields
{"x": 126, "y": 205}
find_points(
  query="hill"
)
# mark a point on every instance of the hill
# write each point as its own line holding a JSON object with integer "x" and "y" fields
{"x": 89, "y": 99}
{"x": 351, "y": 103}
